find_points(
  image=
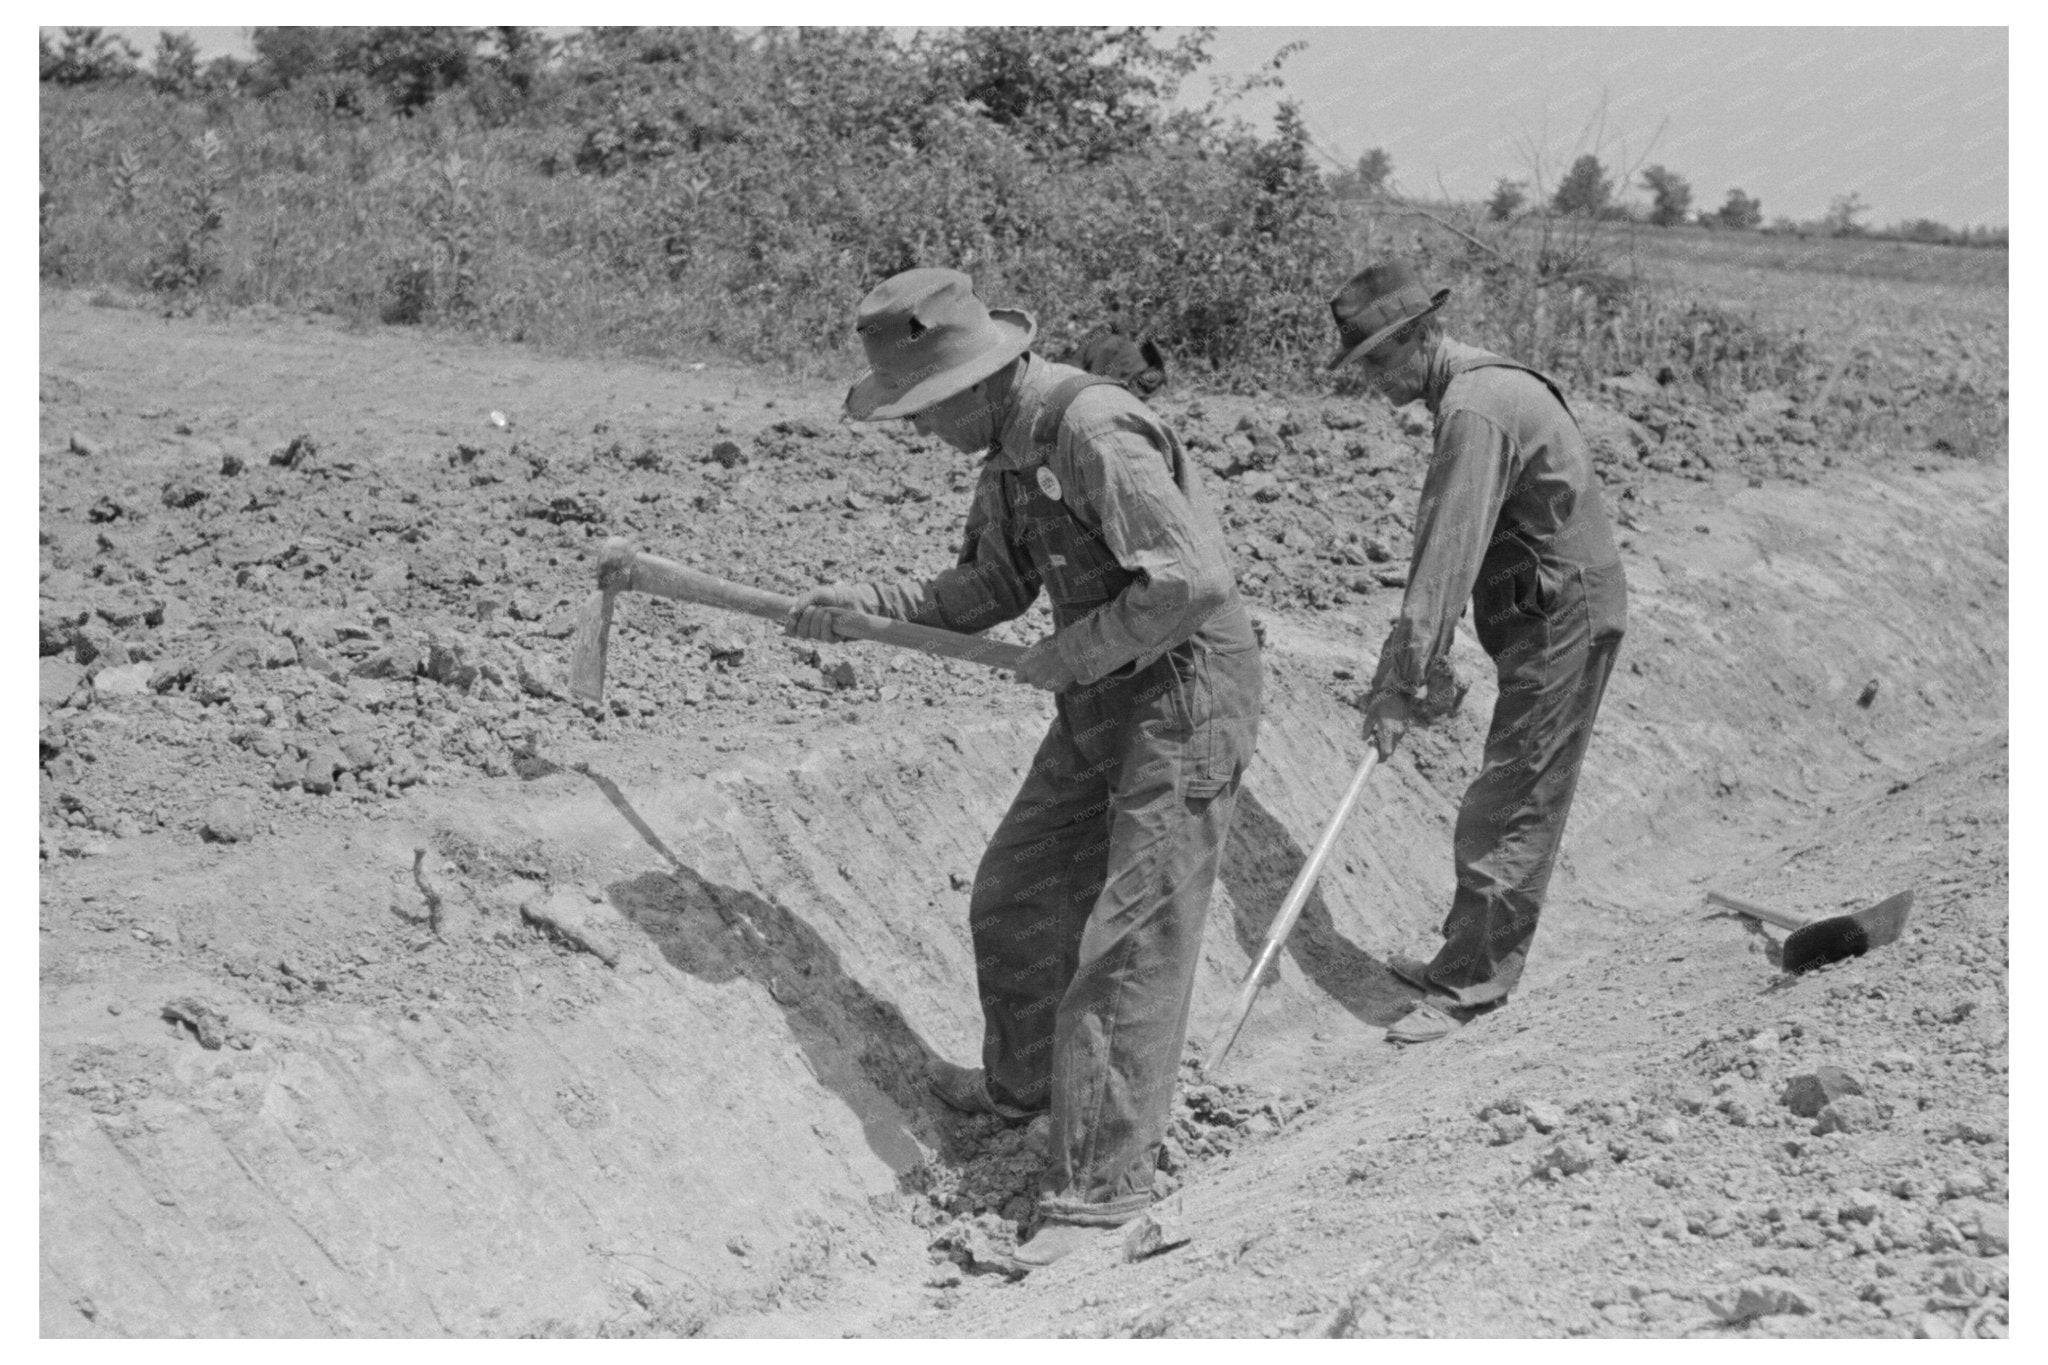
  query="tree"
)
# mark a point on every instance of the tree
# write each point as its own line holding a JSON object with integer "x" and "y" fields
{"x": 1373, "y": 169}
{"x": 1367, "y": 178}
{"x": 1843, "y": 211}
{"x": 84, "y": 55}
{"x": 174, "y": 66}
{"x": 1739, "y": 211}
{"x": 1282, "y": 176}
{"x": 414, "y": 63}
{"x": 1671, "y": 196}
{"x": 1071, "y": 91}
{"x": 1925, "y": 230}
{"x": 1586, "y": 190}
{"x": 411, "y": 64}
{"x": 1508, "y": 196}
{"x": 225, "y": 74}
{"x": 290, "y": 54}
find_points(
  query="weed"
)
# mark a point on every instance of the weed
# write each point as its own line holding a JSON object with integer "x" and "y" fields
{"x": 184, "y": 259}
{"x": 408, "y": 292}
{"x": 668, "y": 193}
{"x": 128, "y": 178}
{"x": 451, "y": 231}
{"x": 50, "y": 248}
{"x": 437, "y": 278}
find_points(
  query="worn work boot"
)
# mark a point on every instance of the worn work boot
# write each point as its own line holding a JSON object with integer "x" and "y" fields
{"x": 1434, "y": 1017}
{"x": 1413, "y": 970}
{"x": 965, "y": 1088}
{"x": 1050, "y": 1243}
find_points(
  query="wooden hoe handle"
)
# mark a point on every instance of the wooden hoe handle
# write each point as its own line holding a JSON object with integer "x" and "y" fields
{"x": 1755, "y": 911}
{"x": 1283, "y": 923}
{"x": 622, "y": 569}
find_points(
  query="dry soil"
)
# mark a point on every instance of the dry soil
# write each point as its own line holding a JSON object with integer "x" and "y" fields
{"x": 386, "y": 990}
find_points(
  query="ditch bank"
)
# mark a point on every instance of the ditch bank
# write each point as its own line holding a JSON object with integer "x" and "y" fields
{"x": 633, "y": 1047}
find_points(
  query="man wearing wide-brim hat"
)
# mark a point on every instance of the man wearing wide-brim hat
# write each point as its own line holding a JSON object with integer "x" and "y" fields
{"x": 1088, "y": 905}
{"x": 1511, "y": 516}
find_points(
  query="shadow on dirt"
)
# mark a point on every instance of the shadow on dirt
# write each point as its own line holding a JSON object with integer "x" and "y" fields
{"x": 1259, "y": 865}
{"x": 857, "y": 1045}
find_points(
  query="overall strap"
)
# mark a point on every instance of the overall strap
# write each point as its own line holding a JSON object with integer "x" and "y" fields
{"x": 1494, "y": 362}
{"x": 1045, "y": 428}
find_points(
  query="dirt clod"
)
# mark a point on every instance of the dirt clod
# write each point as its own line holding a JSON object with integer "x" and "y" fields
{"x": 208, "y": 1026}
{"x": 1506, "y": 1128}
{"x": 1810, "y": 1092}
{"x": 1154, "y": 1231}
{"x": 229, "y": 820}
{"x": 1849, "y": 1114}
{"x": 1759, "y": 1298}
{"x": 1572, "y": 1156}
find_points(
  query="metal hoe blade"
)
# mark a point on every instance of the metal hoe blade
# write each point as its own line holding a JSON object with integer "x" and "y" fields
{"x": 593, "y": 636}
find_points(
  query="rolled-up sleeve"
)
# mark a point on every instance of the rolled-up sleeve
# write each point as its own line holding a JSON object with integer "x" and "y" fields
{"x": 990, "y": 583}
{"x": 1122, "y": 483}
{"x": 1468, "y": 480}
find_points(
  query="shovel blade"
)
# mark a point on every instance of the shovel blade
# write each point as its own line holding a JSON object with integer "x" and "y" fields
{"x": 1886, "y": 920}
{"x": 1845, "y": 936}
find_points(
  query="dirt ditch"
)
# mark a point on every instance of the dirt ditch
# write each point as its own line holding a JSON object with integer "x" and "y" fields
{"x": 386, "y": 990}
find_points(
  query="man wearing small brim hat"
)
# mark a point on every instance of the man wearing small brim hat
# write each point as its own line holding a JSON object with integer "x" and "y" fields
{"x": 1088, "y": 905}
{"x": 1511, "y": 516}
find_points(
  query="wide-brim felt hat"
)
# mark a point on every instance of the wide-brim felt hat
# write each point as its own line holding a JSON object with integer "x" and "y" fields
{"x": 927, "y": 337}
{"x": 1376, "y": 303}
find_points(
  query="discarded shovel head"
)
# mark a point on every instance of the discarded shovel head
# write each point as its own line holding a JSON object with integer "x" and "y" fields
{"x": 1843, "y": 936}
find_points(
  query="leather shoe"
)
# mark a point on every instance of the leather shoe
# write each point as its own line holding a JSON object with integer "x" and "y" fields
{"x": 1432, "y": 1018}
{"x": 965, "y": 1088}
{"x": 1413, "y": 970}
{"x": 1050, "y": 1243}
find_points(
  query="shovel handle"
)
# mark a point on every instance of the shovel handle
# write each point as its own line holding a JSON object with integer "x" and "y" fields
{"x": 1755, "y": 911}
{"x": 1283, "y": 923}
{"x": 666, "y": 578}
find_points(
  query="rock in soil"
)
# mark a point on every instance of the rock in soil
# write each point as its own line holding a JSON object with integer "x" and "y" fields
{"x": 1807, "y": 1094}
{"x": 1850, "y": 1114}
{"x": 230, "y": 820}
{"x": 1154, "y": 1231}
{"x": 1572, "y": 1156}
{"x": 1760, "y": 1298}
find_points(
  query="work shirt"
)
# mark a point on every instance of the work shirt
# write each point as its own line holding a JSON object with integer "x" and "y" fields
{"x": 1510, "y": 516}
{"x": 1108, "y": 515}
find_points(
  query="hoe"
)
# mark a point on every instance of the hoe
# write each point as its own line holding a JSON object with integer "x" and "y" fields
{"x": 620, "y": 568}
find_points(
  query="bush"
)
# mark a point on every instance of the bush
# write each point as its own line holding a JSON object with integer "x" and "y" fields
{"x": 1844, "y": 215}
{"x": 82, "y": 56}
{"x": 666, "y": 191}
{"x": 1671, "y": 196}
{"x": 174, "y": 66}
{"x": 1550, "y": 291}
{"x": 1586, "y": 190}
{"x": 1507, "y": 198}
{"x": 1739, "y": 211}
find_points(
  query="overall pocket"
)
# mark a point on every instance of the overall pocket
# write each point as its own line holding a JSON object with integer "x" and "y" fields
{"x": 1221, "y": 691}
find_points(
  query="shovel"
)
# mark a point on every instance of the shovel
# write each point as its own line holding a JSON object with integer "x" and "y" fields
{"x": 1815, "y": 943}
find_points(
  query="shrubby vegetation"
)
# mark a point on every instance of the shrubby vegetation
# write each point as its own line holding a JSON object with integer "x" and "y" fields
{"x": 678, "y": 191}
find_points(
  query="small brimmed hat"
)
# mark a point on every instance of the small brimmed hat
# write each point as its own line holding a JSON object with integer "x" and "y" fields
{"x": 928, "y": 337}
{"x": 1376, "y": 303}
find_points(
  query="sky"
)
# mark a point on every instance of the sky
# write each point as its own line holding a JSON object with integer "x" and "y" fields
{"x": 1912, "y": 120}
